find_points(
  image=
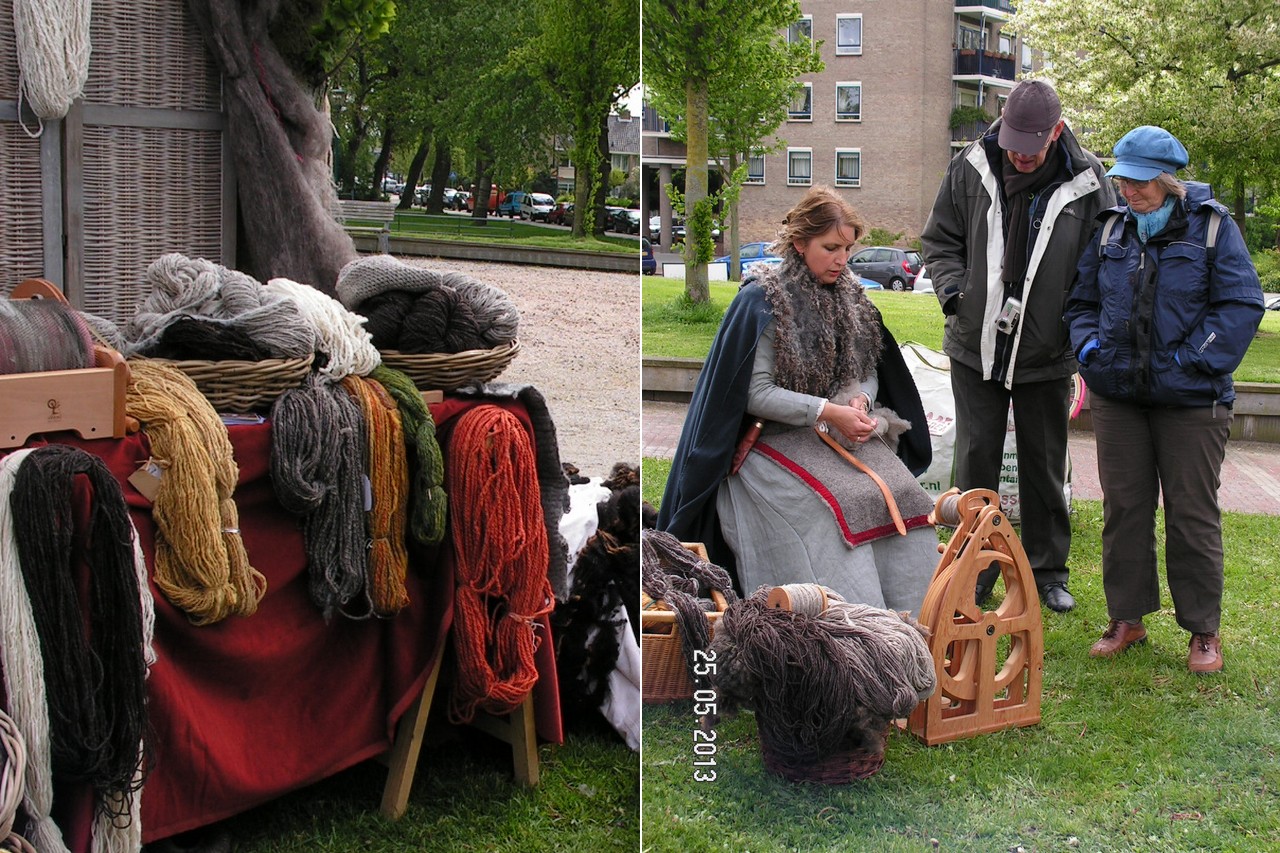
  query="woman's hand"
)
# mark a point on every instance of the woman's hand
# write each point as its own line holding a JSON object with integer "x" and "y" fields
{"x": 852, "y": 421}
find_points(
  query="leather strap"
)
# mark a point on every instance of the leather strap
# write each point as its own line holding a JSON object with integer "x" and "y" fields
{"x": 884, "y": 488}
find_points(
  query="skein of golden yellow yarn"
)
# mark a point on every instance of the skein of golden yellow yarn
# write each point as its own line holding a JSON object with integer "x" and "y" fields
{"x": 388, "y": 469}
{"x": 200, "y": 563}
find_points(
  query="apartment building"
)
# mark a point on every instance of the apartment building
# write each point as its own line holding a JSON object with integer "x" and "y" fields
{"x": 877, "y": 122}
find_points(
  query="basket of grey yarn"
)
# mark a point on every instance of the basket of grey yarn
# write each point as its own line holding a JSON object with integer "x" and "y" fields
{"x": 240, "y": 343}
{"x": 445, "y": 330}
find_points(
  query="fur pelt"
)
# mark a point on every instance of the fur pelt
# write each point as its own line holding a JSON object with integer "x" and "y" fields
{"x": 826, "y": 335}
{"x": 605, "y": 576}
{"x": 280, "y": 144}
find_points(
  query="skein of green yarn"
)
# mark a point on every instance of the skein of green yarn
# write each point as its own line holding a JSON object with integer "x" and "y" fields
{"x": 427, "y": 500}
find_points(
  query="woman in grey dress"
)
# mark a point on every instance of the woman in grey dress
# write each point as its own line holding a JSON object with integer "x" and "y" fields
{"x": 802, "y": 347}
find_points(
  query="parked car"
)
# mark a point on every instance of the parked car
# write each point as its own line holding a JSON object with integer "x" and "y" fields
{"x": 894, "y": 268}
{"x": 1272, "y": 303}
{"x": 677, "y": 228}
{"x": 461, "y": 200}
{"x": 751, "y": 254}
{"x": 535, "y": 206}
{"x": 511, "y": 204}
{"x": 561, "y": 214}
{"x": 869, "y": 284}
{"x": 623, "y": 220}
{"x": 648, "y": 263}
{"x": 923, "y": 283}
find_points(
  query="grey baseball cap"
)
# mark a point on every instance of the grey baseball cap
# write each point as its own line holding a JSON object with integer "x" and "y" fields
{"x": 1030, "y": 115}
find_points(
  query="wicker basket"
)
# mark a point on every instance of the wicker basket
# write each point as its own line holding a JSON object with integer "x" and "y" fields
{"x": 447, "y": 371}
{"x": 839, "y": 767}
{"x": 664, "y": 676}
{"x": 240, "y": 387}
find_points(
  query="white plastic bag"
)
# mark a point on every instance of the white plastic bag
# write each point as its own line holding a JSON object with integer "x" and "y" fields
{"x": 932, "y": 373}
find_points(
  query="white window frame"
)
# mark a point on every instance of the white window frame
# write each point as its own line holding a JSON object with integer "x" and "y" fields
{"x": 797, "y": 116}
{"x": 752, "y": 179}
{"x": 792, "y": 180}
{"x": 845, "y": 84}
{"x": 849, "y": 50}
{"x": 848, "y": 182}
{"x": 793, "y": 34}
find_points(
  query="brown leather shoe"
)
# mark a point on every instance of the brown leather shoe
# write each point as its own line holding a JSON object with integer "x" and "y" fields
{"x": 1205, "y": 653}
{"x": 1119, "y": 636}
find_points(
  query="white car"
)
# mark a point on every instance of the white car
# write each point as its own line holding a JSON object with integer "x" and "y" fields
{"x": 923, "y": 284}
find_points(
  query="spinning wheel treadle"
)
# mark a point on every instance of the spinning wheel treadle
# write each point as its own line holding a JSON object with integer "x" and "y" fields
{"x": 966, "y": 641}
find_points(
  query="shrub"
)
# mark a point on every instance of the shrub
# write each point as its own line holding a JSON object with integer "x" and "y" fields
{"x": 1267, "y": 262}
{"x": 881, "y": 237}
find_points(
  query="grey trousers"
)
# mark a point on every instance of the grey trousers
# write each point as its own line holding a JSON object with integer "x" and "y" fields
{"x": 1143, "y": 451}
{"x": 1041, "y": 412}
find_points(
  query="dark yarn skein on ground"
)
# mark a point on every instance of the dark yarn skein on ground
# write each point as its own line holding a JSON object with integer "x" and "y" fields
{"x": 95, "y": 687}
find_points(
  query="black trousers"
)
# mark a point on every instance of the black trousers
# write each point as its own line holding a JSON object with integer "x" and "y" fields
{"x": 1143, "y": 452}
{"x": 1041, "y": 413}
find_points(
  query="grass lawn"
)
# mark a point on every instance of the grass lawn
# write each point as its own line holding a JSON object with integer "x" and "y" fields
{"x": 1131, "y": 754}
{"x": 500, "y": 231}
{"x": 464, "y": 799}
{"x": 670, "y": 330}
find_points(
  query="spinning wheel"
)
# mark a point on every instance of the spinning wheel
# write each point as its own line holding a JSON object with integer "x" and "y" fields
{"x": 978, "y": 693}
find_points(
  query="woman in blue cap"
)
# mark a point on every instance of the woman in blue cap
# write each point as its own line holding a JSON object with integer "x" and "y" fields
{"x": 1166, "y": 303}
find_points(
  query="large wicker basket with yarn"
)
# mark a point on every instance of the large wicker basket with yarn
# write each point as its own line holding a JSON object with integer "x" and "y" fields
{"x": 839, "y": 766}
{"x": 240, "y": 387}
{"x": 664, "y": 676}
{"x": 448, "y": 371}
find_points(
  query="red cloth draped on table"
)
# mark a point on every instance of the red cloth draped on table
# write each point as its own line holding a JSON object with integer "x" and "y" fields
{"x": 250, "y": 708}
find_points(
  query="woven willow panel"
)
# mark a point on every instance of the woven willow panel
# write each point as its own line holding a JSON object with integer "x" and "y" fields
{"x": 146, "y": 192}
{"x": 148, "y": 53}
{"x": 21, "y": 223}
{"x": 8, "y": 53}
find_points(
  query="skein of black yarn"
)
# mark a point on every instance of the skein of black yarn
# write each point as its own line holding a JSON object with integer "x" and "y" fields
{"x": 95, "y": 684}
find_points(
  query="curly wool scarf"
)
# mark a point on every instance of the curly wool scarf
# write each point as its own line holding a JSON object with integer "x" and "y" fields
{"x": 200, "y": 563}
{"x": 826, "y": 335}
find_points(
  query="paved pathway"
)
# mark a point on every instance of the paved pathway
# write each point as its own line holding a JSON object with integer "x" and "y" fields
{"x": 1250, "y": 474}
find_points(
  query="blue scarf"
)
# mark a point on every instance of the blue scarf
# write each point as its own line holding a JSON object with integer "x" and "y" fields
{"x": 1155, "y": 221}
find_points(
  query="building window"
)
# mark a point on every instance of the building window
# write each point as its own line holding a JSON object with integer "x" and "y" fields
{"x": 801, "y": 104}
{"x": 848, "y": 102}
{"x": 1006, "y": 44}
{"x": 848, "y": 35}
{"x": 801, "y": 29}
{"x": 1026, "y": 58}
{"x": 755, "y": 169}
{"x": 969, "y": 38}
{"x": 799, "y": 167}
{"x": 848, "y": 167}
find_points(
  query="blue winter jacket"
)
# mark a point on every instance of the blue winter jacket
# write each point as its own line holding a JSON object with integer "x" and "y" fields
{"x": 1169, "y": 328}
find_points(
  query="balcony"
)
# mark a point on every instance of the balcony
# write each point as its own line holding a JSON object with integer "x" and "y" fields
{"x": 969, "y": 131}
{"x": 1002, "y": 6}
{"x": 984, "y": 63}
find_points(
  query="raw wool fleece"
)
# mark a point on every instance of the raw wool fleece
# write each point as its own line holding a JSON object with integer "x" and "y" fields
{"x": 280, "y": 145}
{"x": 389, "y": 291}
{"x": 827, "y": 335}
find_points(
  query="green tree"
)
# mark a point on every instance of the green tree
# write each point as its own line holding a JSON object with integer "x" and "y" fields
{"x": 587, "y": 55}
{"x": 1208, "y": 71}
{"x": 694, "y": 80}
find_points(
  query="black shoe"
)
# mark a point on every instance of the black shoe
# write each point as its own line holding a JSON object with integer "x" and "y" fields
{"x": 1056, "y": 597}
{"x": 982, "y": 593}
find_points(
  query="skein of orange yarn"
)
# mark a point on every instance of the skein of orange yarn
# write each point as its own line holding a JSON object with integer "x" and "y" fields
{"x": 387, "y": 467}
{"x": 500, "y": 543}
{"x": 200, "y": 562}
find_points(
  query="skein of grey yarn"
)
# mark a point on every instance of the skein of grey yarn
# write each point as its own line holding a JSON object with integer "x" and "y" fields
{"x": 497, "y": 316}
{"x": 182, "y": 286}
{"x": 318, "y": 446}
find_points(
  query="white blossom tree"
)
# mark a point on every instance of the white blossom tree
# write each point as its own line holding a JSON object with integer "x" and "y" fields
{"x": 1208, "y": 71}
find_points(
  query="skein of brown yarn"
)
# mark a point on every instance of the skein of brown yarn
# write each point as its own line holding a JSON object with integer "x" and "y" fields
{"x": 387, "y": 468}
{"x": 200, "y": 562}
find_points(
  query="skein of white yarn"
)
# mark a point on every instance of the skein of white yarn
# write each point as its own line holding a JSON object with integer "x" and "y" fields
{"x": 339, "y": 333}
{"x": 53, "y": 54}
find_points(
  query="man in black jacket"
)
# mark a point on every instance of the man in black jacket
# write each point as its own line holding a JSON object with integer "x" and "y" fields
{"x": 1011, "y": 220}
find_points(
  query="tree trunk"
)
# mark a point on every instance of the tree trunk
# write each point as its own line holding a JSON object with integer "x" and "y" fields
{"x": 604, "y": 170}
{"x": 440, "y": 170}
{"x": 415, "y": 172}
{"x": 695, "y": 188}
{"x": 584, "y": 158}
{"x": 735, "y": 250}
{"x": 1238, "y": 216}
{"x": 384, "y": 156}
{"x": 484, "y": 184}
